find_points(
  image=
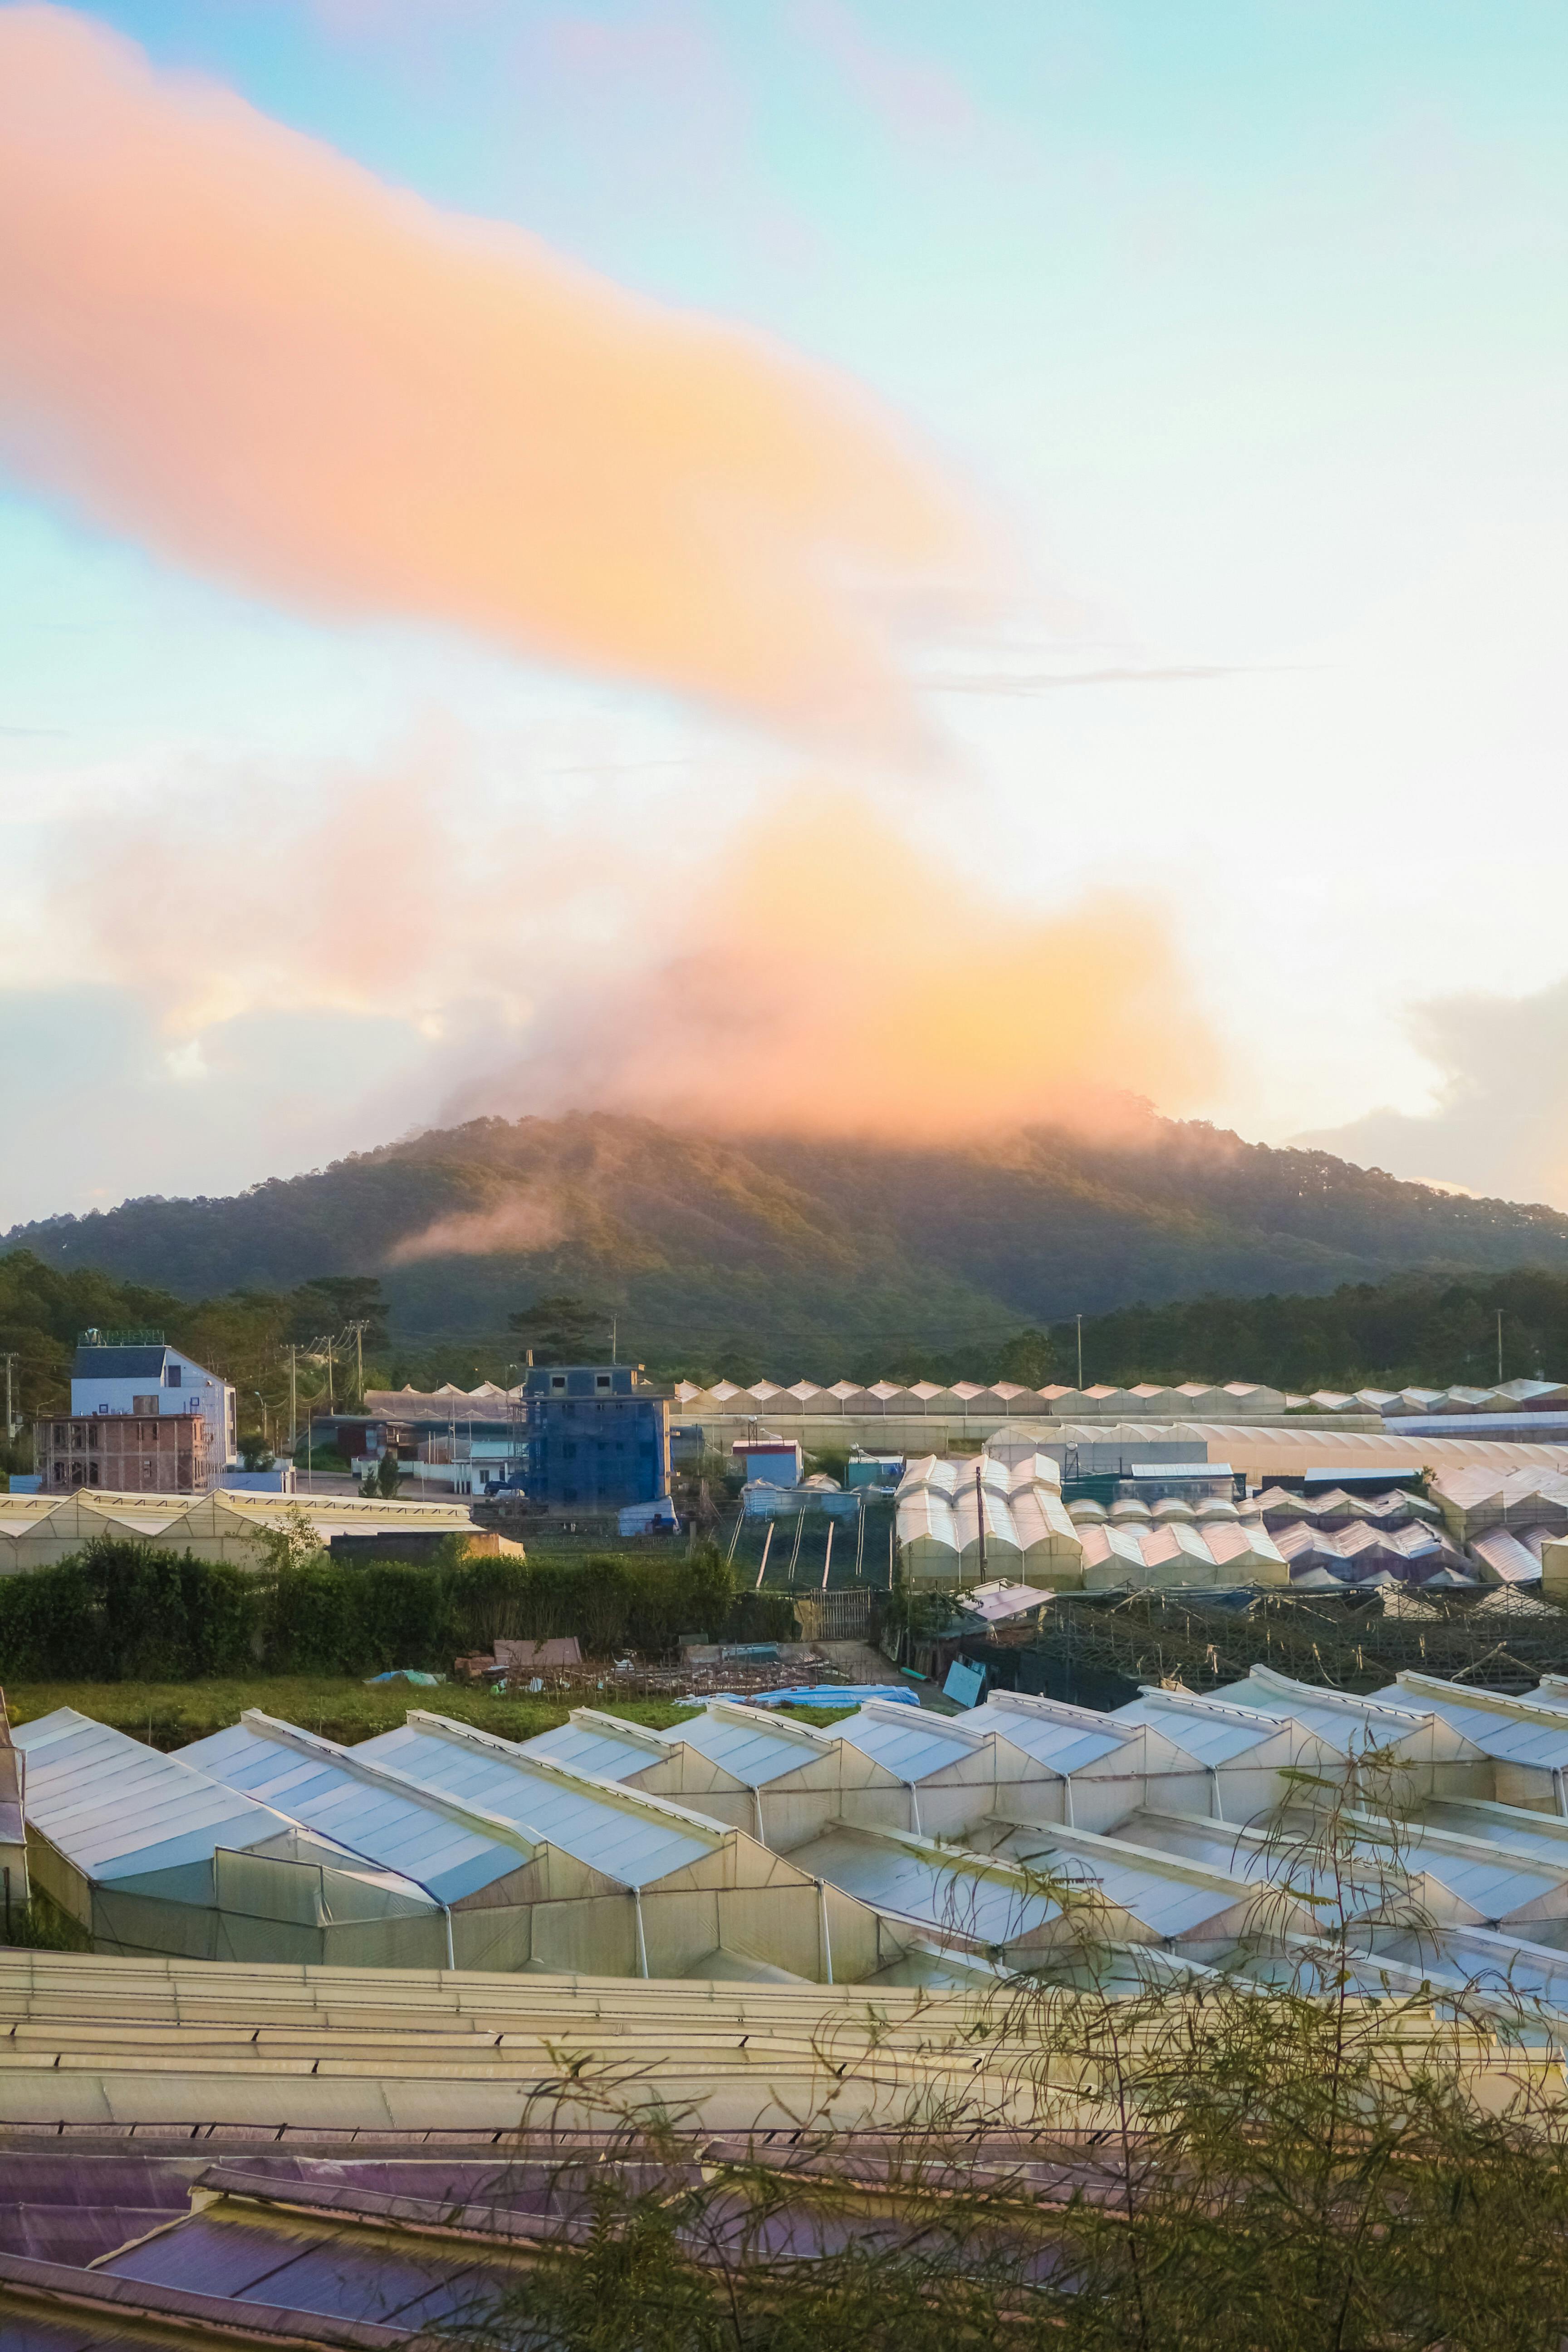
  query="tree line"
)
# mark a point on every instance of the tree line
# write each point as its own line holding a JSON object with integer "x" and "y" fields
{"x": 123, "y": 1611}
{"x": 1420, "y": 1330}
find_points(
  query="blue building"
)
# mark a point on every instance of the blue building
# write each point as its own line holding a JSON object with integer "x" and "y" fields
{"x": 597, "y": 1436}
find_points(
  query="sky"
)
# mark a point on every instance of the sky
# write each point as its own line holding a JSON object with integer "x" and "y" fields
{"x": 856, "y": 563}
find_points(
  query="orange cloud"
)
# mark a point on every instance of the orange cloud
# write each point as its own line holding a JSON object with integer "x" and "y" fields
{"x": 836, "y": 980}
{"x": 231, "y": 342}
{"x": 819, "y": 972}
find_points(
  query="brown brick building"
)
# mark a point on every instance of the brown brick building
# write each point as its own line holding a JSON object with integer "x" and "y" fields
{"x": 130, "y": 1454}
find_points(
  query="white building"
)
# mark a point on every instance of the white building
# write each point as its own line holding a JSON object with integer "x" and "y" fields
{"x": 149, "y": 1377}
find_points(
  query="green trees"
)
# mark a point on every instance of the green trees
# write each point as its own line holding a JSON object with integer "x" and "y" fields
{"x": 563, "y": 1330}
{"x": 127, "y": 1612}
{"x": 1029, "y": 1359}
{"x": 1410, "y": 1332}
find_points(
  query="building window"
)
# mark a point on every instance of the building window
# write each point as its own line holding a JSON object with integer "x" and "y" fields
{"x": 144, "y": 1404}
{"x": 558, "y": 1380}
{"x": 601, "y": 1380}
{"x": 173, "y": 1376}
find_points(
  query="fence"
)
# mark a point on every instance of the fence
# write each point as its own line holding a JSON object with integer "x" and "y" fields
{"x": 834, "y": 1616}
{"x": 807, "y": 1552}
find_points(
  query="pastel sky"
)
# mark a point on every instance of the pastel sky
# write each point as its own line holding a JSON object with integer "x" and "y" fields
{"x": 1010, "y": 550}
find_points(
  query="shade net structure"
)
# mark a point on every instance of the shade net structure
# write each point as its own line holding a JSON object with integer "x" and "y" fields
{"x": 1500, "y": 1639}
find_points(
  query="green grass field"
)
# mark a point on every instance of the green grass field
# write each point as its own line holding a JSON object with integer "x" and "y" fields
{"x": 169, "y": 1715}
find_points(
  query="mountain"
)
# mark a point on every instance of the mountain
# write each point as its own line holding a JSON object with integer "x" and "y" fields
{"x": 781, "y": 1245}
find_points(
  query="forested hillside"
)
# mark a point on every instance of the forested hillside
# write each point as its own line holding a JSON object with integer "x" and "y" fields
{"x": 1413, "y": 1330}
{"x": 798, "y": 1251}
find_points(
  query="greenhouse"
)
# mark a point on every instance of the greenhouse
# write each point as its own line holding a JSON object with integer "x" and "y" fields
{"x": 148, "y": 1853}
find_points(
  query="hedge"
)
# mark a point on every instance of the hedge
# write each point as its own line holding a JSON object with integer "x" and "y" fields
{"x": 121, "y": 1612}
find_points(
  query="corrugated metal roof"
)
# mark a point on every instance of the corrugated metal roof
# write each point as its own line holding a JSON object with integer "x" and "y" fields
{"x": 319, "y": 1783}
{"x": 913, "y": 1746}
{"x": 633, "y": 1838}
{"x": 1061, "y": 1739}
{"x": 909, "y": 1881}
{"x": 1169, "y": 1899}
{"x": 1341, "y": 1720}
{"x": 1516, "y": 1731}
{"x": 118, "y": 1809}
{"x": 588, "y": 1748}
{"x": 756, "y": 1750}
{"x": 1211, "y": 1733}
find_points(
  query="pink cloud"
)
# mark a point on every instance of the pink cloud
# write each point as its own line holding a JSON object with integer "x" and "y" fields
{"x": 230, "y": 342}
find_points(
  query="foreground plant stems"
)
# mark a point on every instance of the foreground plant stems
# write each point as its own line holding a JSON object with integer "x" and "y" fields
{"x": 1271, "y": 2155}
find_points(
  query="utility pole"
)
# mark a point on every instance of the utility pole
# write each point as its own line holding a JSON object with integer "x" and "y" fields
{"x": 980, "y": 1521}
{"x": 293, "y": 1403}
{"x": 615, "y": 1330}
{"x": 1500, "y": 1347}
{"x": 358, "y": 1330}
{"x": 10, "y": 1413}
{"x": 1080, "y": 1354}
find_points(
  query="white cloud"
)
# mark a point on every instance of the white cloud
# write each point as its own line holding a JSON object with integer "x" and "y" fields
{"x": 1498, "y": 1120}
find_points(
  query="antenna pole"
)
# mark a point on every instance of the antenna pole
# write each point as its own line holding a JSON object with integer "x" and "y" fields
{"x": 1500, "y": 1347}
{"x": 1080, "y": 1354}
{"x": 980, "y": 1521}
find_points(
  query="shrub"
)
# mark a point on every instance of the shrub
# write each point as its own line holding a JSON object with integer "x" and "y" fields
{"x": 121, "y": 1611}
